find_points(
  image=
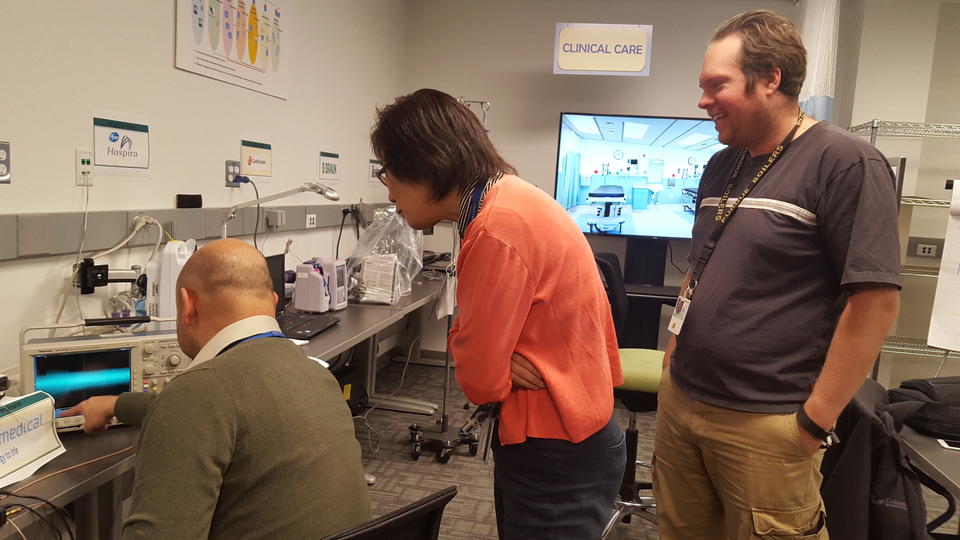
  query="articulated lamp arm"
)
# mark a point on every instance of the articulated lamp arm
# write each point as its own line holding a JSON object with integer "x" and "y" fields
{"x": 314, "y": 187}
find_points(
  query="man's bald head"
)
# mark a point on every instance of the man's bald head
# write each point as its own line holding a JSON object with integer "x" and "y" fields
{"x": 222, "y": 283}
{"x": 227, "y": 269}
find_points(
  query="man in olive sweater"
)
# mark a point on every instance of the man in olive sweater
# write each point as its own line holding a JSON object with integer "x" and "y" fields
{"x": 253, "y": 441}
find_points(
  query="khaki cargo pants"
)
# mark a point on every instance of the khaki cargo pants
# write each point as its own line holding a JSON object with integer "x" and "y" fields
{"x": 725, "y": 474}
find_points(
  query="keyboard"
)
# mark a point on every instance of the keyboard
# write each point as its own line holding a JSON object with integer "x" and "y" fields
{"x": 305, "y": 325}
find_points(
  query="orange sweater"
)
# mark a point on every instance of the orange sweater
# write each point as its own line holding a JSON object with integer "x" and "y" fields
{"x": 527, "y": 282}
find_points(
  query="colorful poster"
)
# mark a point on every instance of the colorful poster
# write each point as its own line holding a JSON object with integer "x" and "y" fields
{"x": 234, "y": 41}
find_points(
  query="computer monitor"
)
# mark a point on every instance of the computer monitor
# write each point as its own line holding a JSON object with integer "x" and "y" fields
{"x": 275, "y": 265}
{"x": 621, "y": 175}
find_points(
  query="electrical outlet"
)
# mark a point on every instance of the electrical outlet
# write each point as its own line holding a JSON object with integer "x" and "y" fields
{"x": 231, "y": 168}
{"x": 926, "y": 250}
{"x": 311, "y": 221}
{"x": 5, "y": 162}
{"x": 276, "y": 218}
{"x": 83, "y": 161}
{"x": 931, "y": 248}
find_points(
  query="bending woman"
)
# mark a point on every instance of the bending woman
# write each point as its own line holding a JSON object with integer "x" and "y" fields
{"x": 534, "y": 331}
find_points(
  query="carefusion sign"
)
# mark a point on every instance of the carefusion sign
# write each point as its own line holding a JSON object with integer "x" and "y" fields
{"x": 602, "y": 49}
{"x": 121, "y": 144}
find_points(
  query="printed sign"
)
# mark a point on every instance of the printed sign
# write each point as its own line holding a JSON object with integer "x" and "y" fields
{"x": 602, "y": 49}
{"x": 256, "y": 159}
{"x": 120, "y": 144}
{"x": 28, "y": 438}
{"x": 329, "y": 166}
{"x": 375, "y": 167}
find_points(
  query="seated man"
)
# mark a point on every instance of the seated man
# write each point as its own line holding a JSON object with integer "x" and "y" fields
{"x": 254, "y": 440}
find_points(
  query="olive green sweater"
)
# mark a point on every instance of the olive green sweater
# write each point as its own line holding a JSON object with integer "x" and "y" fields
{"x": 255, "y": 443}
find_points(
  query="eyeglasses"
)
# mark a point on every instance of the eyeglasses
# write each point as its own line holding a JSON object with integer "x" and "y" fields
{"x": 382, "y": 175}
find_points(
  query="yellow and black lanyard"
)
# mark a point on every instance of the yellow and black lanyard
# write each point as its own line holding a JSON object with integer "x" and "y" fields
{"x": 724, "y": 213}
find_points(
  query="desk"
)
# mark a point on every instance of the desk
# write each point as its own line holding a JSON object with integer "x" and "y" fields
{"x": 939, "y": 463}
{"x": 359, "y": 325}
{"x": 94, "y": 491}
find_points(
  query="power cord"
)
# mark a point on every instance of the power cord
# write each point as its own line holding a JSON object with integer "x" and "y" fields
{"x": 256, "y": 225}
{"x": 363, "y": 417}
{"x": 343, "y": 220}
{"x": 17, "y": 507}
{"x": 58, "y": 510}
{"x": 673, "y": 264}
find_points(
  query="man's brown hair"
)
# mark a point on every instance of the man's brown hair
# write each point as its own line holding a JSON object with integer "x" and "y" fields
{"x": 769, "y": 41}
{"x": 430, "y": 138}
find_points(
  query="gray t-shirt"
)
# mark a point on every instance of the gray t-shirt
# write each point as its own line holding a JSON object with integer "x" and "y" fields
{"x": 822, "y": 218}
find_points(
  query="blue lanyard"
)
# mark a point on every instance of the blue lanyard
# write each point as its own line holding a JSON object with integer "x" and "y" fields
{"x": 475, "y": 203}
{"x": 270, "y": 334}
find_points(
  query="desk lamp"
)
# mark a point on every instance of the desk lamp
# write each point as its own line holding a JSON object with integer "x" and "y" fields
{"x": 319, "y": 189}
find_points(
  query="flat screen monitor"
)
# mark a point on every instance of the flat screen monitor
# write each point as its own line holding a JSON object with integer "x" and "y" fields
{"x": 73, "y": 377}
{"x": 275, "y": 267}
{"x": 620, "y": 175}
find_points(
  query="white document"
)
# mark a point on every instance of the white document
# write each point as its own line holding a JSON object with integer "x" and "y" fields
{"x": 28, "y": 438}
{"x": 945, "y": 321}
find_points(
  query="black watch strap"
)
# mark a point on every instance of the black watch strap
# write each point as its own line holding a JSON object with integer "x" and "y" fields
{"x": 827, "y": 436}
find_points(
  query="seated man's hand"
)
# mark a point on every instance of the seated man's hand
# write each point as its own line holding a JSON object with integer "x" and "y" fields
{"x": 97, "y": 412}
{"x": 524, "y": 375}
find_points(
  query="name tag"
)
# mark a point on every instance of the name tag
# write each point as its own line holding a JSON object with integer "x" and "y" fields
{"x": 28, "y": 438}
{"x": 679, "y": 314}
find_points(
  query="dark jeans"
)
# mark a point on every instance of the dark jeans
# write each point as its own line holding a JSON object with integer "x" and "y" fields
{"x": 552, "y": 489}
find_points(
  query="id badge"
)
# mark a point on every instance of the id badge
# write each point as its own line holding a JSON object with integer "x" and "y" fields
{"x": 679, "y": 314}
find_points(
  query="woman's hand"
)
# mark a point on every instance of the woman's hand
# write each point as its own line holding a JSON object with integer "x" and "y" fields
{"x": 524, "y": 375}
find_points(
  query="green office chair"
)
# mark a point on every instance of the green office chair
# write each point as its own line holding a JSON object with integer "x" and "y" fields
{"x": 638, "y": 393}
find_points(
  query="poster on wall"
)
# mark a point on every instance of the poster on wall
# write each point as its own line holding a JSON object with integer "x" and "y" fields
{"x": 235, "y": 41}
{"x": 602, "y": 49}
{"x": 118, "y": 143}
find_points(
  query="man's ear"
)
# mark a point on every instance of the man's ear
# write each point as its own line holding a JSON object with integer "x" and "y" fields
{"x": 188, "y": 306}
{"x": 771, "y": 81}
{"x": 275, "y": 300}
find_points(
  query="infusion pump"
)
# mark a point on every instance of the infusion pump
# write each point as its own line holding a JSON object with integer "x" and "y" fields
{"x": 76, "y": 368}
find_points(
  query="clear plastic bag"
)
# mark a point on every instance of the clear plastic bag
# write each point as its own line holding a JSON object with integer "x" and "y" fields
{"x": 388, "y": 234}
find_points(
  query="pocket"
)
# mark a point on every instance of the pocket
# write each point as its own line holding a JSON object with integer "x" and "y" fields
{"x": 797, "y": 441}
{"x": 805, "y": 524}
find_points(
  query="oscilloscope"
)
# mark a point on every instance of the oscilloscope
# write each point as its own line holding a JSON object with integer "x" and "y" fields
{"x": 76, "y": 368}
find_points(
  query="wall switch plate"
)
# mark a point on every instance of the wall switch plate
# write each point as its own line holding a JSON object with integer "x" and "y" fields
{"x": 931, "y": 248}
{"x": 311, "y": 221}
{"x": 83, "y": 162}
{"x": 5, "y": 175}
{"x": 231, "y": 168}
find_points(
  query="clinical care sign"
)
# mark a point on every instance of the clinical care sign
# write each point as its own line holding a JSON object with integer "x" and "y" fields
{"x": 602, "y": 49}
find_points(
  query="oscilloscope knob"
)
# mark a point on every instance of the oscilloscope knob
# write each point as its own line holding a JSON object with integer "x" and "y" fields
{"x": 149, "y": 348}
{"x": 173, "y": 359}
{"x": 149, "y": 368}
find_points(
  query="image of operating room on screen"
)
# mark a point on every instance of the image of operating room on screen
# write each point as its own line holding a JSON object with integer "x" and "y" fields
{"x": 632, "y": 175}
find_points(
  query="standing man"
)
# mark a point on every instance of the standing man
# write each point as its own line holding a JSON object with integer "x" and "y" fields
{"x": 255, "y": 440}
{"x": 794, "y": 284}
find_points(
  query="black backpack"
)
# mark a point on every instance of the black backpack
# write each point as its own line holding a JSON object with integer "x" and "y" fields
{"x": 930, "y": 406}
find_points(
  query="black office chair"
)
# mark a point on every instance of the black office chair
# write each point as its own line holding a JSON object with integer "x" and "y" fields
{"x": 416, "y": 521}
{"x": 638, "y": 393}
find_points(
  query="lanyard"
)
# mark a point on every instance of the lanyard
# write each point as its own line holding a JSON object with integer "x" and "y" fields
{"x": 724, "y": 214}
{"x": 270, "y": 334}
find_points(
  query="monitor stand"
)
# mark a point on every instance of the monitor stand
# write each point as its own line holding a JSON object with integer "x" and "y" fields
{"x": 644, "y": 264}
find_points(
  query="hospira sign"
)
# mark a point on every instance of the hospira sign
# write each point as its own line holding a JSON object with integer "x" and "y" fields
{"x": 602, "y": 49}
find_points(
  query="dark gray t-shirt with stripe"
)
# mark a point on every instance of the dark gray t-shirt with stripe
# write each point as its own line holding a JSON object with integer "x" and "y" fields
{"x": 822, "y": 218}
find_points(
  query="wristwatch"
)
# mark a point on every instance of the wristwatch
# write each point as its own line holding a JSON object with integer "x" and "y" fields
{"x": 827, "y": 437}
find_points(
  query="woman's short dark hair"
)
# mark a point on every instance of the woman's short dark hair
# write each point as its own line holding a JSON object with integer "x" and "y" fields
{"x": 430, "y": 138}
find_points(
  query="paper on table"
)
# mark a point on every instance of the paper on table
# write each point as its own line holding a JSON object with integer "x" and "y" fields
{"x": 945, "y": 320}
